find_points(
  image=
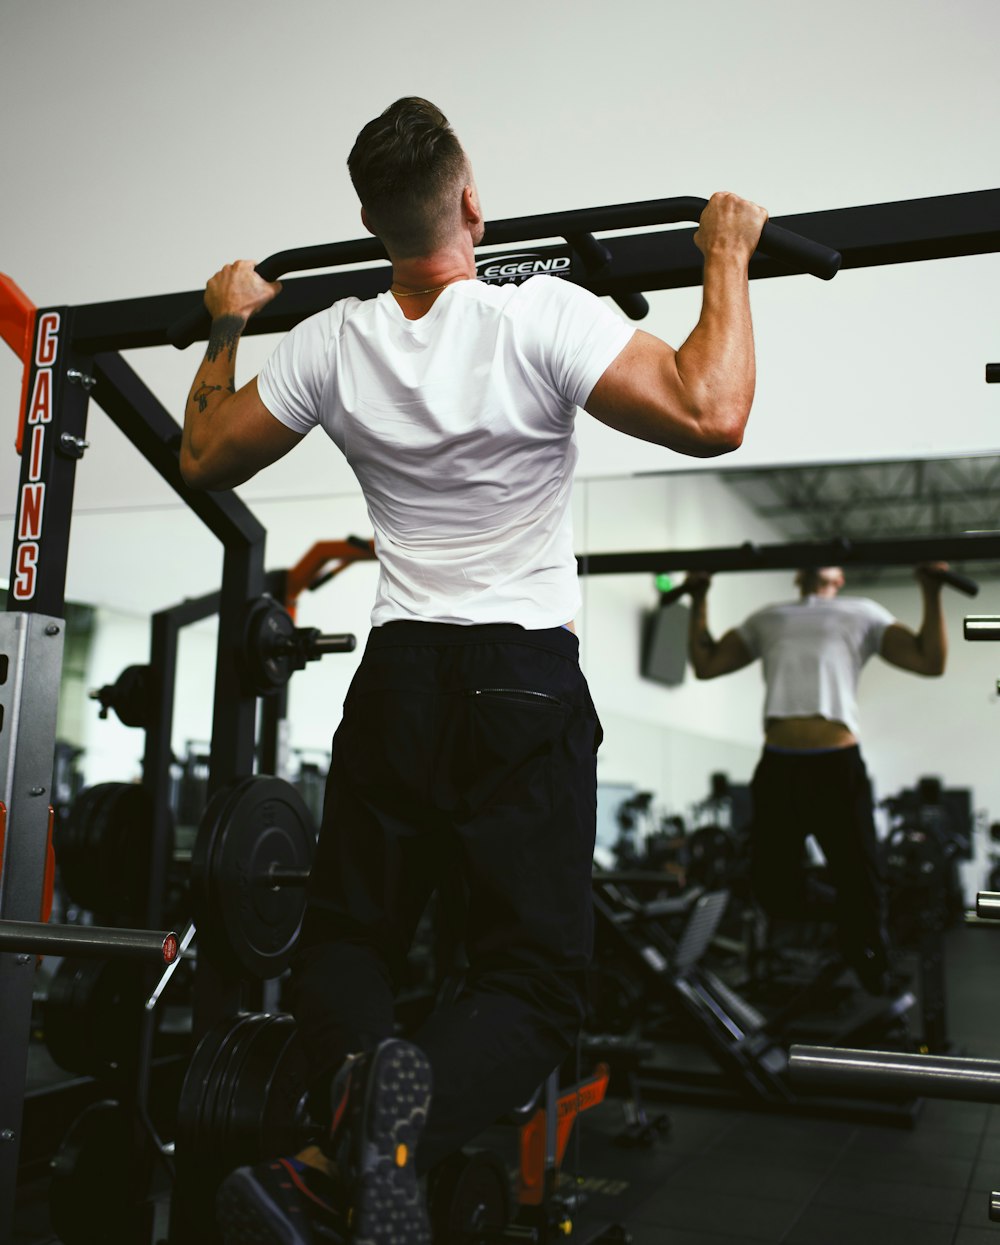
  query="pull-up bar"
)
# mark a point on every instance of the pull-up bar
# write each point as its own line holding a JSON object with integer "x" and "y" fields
{"x": 577, "y": 227}
{"x": 796, "y": 555}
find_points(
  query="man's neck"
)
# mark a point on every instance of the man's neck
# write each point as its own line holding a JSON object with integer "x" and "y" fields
{"x": 417, "y": 281}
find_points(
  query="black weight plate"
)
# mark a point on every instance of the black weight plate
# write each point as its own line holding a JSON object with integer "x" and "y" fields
{"x": 64, "y": 1023}
{"x": 268, "y": 1113}
{"x": 244, "y": 922}
{"x": 211, "y": 940}
{"x": 92, "y": 1014}
{"x": 96, "y": 1177}
{"x": 470, "y": 1194}
{"x": 231, "y": 1077}
{"x": 78, "y": 874}
{"x": 103, "y": 852}
{"x": 196, "y": 1160}
{"x": 267, "y": 627}
{"x": 247, "y": 1082}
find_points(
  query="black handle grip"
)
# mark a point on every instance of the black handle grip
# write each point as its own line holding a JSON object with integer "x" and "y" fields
{"x": 960, "y": 582}
{"x": 993, "y": 373}
{"x": 813, "y": 257}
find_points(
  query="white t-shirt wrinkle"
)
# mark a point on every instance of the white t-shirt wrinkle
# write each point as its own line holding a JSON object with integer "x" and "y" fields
{"x": 460, "y": 429}
{"x": 812, "y": 652}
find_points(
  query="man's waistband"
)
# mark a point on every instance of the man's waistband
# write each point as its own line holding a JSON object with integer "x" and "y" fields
{"x": 407, "y": 633}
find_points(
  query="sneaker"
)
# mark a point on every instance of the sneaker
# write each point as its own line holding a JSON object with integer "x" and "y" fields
{"x": 281, "y": 1202}
{"x": 388, "y": 1204}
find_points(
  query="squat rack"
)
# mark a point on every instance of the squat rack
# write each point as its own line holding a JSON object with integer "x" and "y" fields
{"x": 70, "y": 354}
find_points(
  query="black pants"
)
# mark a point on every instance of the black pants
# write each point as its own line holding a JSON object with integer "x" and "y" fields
{"x": 467, "y": 747}
{"x": 828, "y": 795}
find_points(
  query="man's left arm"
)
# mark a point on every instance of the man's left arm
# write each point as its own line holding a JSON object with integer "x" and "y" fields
{"x": 924, "y": 651}
{"x": 229, "y": 434}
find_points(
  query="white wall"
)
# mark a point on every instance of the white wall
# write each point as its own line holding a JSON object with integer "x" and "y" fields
{"x": 147, "y": 144}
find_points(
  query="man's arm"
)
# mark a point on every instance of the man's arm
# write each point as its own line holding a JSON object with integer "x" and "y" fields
{"x": 695, "y": 400}
{"x": 230, "y": 435}
{"x": 924, "y": 651}
{"x": 710, "y": 658}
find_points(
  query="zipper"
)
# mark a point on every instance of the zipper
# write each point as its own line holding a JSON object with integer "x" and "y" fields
{"x": 518, "y": 693}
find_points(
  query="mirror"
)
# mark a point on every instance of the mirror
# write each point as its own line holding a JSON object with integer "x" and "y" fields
{"x": 670, "y": 740}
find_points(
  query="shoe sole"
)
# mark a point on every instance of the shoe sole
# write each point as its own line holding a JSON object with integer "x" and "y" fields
{"x": 391, "y": 1208}
{"x": 247, "y": 1216}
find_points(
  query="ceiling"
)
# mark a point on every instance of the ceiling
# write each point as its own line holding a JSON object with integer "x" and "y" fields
{"x": 876, "y": 500}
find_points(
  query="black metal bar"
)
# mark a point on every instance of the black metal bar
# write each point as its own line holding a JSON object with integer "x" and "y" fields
{"x": 98, "y": 941}
{"x": 792, "y": 556}
{"x": 896, "y": 1072}
{"x": 31, "y": 647}
{"x": 803, "y": 254}
{"x": 147, "y": 423}
{"x": 905, "y": 231}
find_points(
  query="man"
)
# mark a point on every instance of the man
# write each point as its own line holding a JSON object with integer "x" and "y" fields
{"x": 811, "y": 778}
{"x": 468, "y": 732}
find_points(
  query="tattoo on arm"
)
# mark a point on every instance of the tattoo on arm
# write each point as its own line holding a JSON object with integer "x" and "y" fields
{"x": 225, "y": 335}
{"x": 201, "y": 395}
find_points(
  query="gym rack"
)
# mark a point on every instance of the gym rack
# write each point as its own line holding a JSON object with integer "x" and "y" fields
{"x": 70, "y": 354}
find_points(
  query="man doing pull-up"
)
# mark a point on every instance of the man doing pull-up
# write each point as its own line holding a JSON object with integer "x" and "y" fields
{"x": 811, "y": 778}
{"x": 468, "y": 733}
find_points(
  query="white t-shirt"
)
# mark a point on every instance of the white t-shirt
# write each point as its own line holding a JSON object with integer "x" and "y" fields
{"x": 812, "y": 652}
{"x": 460, "y": 429}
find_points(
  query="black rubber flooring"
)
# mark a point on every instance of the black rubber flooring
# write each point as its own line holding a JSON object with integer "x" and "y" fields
{"x": 721, "y": 1176}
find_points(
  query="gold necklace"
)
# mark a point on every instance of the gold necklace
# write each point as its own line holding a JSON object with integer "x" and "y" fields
{"x": 414, "y": 293}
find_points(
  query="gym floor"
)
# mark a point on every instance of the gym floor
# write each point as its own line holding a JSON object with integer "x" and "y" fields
{"x": 721, "y": 1176}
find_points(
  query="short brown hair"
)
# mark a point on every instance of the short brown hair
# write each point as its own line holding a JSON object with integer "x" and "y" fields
{"x": 405, "y": 164}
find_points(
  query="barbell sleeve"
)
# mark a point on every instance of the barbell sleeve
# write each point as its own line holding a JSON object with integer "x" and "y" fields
{"x": 988, "y": 906}
{"x": 835, "y": 1068}
{"x": 95, "y": 941}
{"x": 276, "y": 876}
{"x": 340, "y": 643}
{"x": 183, "y": 943}
{"x": 982, "y": 627}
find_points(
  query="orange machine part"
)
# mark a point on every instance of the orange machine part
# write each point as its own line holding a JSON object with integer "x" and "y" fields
{"x": 17, "y": 328}
{"x": 578, "y": 1098}
{"x": 48, "y": 886}
{"x": 324, "y": 560}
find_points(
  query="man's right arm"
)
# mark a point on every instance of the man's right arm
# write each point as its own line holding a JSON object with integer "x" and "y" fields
{"x": 695, "y": 400}
{"x": 709, "y": 657}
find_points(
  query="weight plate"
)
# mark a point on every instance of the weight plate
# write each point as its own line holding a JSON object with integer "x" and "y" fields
{"x": 232, "y": 1076}
{"x": 268, "y": 1114}
{"x": 92, "y": 1014}
{"x": 103, "y": 851}
{"x": 197, "y": 1161}
{"x": 242, "y": 1101}
{"x": 244, "y": 922}
{"x": 268, "y": 631}
{"x": 470, "y": 1194}
{"x": 97, "y": 1177}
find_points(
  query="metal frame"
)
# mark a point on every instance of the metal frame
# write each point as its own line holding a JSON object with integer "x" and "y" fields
{"x": 68, "y": 352}
{"x": 793, "y": 555}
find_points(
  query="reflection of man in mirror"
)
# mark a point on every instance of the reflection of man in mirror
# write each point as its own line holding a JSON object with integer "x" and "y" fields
{"x": 811, "y": 778}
